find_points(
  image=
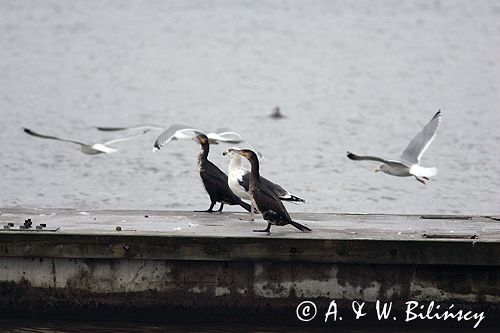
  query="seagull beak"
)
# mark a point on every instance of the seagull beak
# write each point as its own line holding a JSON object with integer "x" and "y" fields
{"x": 224, "y": 153}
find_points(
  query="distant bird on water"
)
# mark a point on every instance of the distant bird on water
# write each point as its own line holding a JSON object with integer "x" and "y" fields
{"x": 266, "y": 201}
{"x": 214, "y": 180}
{"x": 239, "y": 181}
{"x": 89, "y": 149}
{"x": 276, "y": 113}
{"x": 409, "y": 162}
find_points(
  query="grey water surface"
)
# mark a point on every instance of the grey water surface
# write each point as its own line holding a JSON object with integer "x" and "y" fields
{"x": 349, "y": 75}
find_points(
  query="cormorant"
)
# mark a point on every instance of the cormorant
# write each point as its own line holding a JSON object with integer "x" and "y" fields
{"x": 266, "y": 201}
{"x": 239, "y": 180}
{"x": 214, "y": 180}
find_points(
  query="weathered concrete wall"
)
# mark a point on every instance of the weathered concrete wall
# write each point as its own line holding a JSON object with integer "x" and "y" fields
{"x": 183, "y": 290}
{"x": 185, "y": 266}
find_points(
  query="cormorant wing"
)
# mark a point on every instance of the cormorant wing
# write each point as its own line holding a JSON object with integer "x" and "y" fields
{"x": 268, "y": 200}
{"x": 215, "y": 181}
{"x": 419, "y": 144}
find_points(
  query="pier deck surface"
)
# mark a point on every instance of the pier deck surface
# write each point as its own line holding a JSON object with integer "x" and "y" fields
{"x": 175, "y": 266}
{"x": 348, "y": 238}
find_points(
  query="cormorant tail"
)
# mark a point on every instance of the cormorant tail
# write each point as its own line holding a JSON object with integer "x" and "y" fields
{"x": 301, "y": 227}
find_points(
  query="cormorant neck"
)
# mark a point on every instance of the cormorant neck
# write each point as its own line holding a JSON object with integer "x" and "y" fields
{"x": 204, "y": 152}
{"x": 254, "y": 162}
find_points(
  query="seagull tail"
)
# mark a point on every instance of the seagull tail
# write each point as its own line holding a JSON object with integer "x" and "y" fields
{"x": 420, "y": 171}
{"x": 292, "y": 198}
{"x": 301, "y": 227}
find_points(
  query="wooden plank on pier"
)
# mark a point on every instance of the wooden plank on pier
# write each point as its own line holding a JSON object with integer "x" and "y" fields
{"x": 336, "y": 238}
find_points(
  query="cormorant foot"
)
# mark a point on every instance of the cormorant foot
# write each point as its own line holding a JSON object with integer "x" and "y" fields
{"x": 204, "y": 211}
{"x": 268, "y": 229}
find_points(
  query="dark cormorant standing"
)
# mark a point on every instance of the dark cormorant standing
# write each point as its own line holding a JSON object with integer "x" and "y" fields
{"x": 214, "y": 180}
{"x": 266, "y": 201}
{"x": 239, "y": 181}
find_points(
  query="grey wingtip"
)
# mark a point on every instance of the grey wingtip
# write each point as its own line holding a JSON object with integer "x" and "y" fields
{"x": 350, "y": 155}
{"x": 109, "y": 129}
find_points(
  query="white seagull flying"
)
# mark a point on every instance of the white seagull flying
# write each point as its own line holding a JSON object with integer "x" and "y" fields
{"x": 181, "y": 132}
{"x": 409, "y": 162}
{"x": 88, "y": 149}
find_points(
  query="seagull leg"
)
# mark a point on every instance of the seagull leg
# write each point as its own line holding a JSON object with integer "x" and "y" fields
{"x": 420, "y": 180}
{"x": 209, "y": 210}
{"x": 268, "y": 229}
{"x": 252, "y": 214}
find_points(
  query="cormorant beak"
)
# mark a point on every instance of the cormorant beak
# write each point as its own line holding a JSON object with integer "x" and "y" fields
{"x": 377, "y": 170}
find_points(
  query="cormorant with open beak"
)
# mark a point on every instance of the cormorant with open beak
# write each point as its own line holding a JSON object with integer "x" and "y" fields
{"x": 266, "y": 200}
{"x": 214, "y": 180}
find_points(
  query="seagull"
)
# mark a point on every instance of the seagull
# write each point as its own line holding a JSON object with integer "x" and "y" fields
{"x": 89, "y": 149}
{"x": 214, "y": 180}
{"x": 180, "y": 132}
{"x": 409, "y": 163}
{"x": 239, "y": 181}
{"x": 264, "y": 199}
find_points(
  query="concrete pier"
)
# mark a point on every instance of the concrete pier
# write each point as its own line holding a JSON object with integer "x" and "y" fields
{"x": 160, "y": 265}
